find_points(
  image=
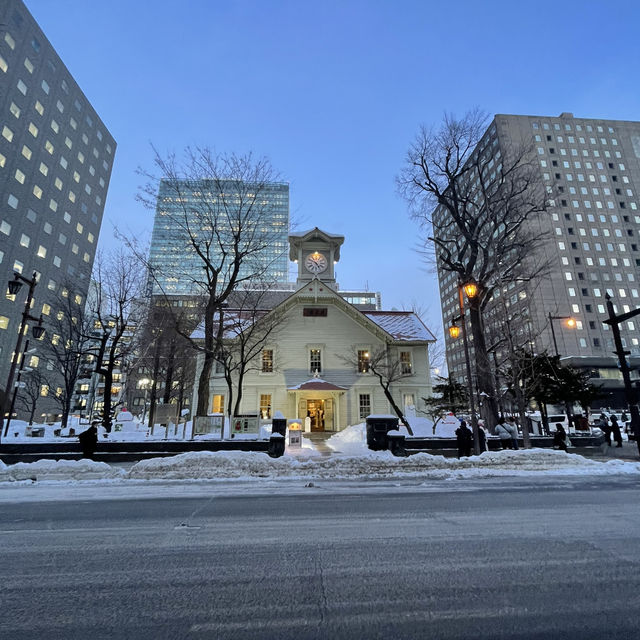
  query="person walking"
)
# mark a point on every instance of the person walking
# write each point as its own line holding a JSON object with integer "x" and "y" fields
{"x": 560, "y": 438}
{"x": 615, "y": 430}
{"x": 512, "y": 428}
{"x": 606, "y": 428}
{"x": 504, "y": 434}
{"x": 464, "y": 440}
{"x": 89, "y": 440}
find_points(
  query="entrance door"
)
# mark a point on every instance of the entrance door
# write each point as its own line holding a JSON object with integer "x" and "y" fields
{"x": 315, "y": 411}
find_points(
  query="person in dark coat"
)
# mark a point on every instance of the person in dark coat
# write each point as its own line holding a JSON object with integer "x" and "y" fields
{"x": 606, "y": 428}
{"x": 482, "y": 438}
{"x": 89, "y": 440}
{"x": 615, "y": 430}
{"x": 464, "y": 440}
{"x": 560, "y": 438}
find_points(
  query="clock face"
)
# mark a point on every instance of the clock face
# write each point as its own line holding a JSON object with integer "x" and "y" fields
{"x": 316, "y": 263}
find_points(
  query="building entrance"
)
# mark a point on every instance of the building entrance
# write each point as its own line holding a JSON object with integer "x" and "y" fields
{"x": 315, "y": 411}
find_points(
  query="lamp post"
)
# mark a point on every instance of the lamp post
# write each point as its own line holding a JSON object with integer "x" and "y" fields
{"x": 570, "y": 324}
{"x": 14, "y": 287}
{"x": 144, "y": 384}
{"x": 471, "y": 289}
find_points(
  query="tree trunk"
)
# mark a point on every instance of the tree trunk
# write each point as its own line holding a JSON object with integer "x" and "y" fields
{"x": 484, "y": 374}
{"x": 154, "y": 385}
{"x": 170, "y": 367}
{"x": 397, "y": 410}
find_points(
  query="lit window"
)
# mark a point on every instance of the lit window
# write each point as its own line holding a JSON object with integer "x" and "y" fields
{"x": 20, "y": 176}
{"x": 15, "y": 109}
{"x": 42, "y": 252}
{"x": 26, "y": 152}
{"x": 7, "y": 134}
{"x": 33, "y": 130}
{"x": 37, "y": 191}
{"x": 4, "y": 322}
{"x": 44, "y": 170}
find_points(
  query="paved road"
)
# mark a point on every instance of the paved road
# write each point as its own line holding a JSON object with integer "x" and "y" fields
{"x": 489, "y": 559}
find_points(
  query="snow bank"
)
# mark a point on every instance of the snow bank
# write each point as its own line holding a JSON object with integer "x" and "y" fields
{"x": 59, "y": 470}
{"x": 375, "y": 465}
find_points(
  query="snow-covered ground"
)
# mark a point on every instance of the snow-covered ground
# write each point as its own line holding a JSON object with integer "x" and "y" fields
{"x": 351, "y": 459}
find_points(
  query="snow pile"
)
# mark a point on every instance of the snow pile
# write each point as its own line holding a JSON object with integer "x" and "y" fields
{"x": 57, "y": 470}
{"x": 210, "y": 465}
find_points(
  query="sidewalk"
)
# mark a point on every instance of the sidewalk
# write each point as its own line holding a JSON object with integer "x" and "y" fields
{"x": 628, "y": 451}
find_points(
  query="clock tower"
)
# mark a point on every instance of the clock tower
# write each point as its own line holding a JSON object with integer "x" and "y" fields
{"x": 316, "y": 252}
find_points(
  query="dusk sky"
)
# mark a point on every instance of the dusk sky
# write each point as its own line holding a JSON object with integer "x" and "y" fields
{"x": 333, "y": 93}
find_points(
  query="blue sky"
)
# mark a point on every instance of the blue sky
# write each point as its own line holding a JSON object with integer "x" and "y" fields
{"x": 333, "y": 93}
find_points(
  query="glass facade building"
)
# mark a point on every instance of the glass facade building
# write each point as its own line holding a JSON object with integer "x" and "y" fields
{"x": 203, "y": 213}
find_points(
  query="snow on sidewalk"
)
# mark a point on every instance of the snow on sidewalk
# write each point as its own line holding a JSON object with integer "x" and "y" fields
{"x": 206, "y": 465}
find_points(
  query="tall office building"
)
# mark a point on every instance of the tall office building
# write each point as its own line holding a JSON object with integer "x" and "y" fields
{"x": 592, "y": 169}
{"x": 195, "y": 207}
{"x": 56, "y": 157}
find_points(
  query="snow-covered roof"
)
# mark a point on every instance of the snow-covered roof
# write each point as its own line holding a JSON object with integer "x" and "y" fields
{"x": 402, "y": 325}
{"x": 317, "y": 384}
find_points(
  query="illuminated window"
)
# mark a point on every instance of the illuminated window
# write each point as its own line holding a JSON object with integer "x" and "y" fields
{"x": 265, "y": 405}
{"x": 267, "y": 361}
{"x": 363, "y": 361}
{"x": 405, "y": 362}
{"x": 217, "y": 404}
{"x": 364, "y": 405}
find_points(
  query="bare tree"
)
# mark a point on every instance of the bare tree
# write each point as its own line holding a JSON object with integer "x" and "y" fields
{"x": 67, "y": 341}
{"x": 385, "y": 364}
{"x": 218, "y": 206}
{"x": 118, "y": 312}
{"x": 29, "y": 393}
{"x": 248, "y": 328}
{"x": 480, "y": 203}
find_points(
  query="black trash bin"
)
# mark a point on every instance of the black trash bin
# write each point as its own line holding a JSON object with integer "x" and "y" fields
{"x": 279, "y": 425}
{"x": 377, "y": 429}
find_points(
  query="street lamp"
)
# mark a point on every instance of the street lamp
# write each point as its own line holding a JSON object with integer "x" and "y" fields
{"x": 144, "y": 384}
{"x": 471, "y": 289}
{"x": 14, "y": 287}
{"x": 570, "y": 323}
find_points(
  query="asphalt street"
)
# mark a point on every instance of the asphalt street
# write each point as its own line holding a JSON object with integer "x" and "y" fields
{"x": 506, "y": 558}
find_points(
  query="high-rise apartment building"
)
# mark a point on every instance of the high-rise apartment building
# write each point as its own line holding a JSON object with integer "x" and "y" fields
{"x": 56, "y": 157}
{"x": 192, "y": 208}
{"x": 591, "y": 169}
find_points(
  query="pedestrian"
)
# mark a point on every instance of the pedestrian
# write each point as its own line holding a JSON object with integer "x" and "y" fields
{"x": 482, "y": 438}
{"x": 606, "y": 427}
{"x": 512, "y": 428}
{"x": 89, "y": 440}
{"x": 504, "y": 434}
{"x": 464, "y": 440}
{"x": 560, "y": 438}
{"x": 615, "y": 430}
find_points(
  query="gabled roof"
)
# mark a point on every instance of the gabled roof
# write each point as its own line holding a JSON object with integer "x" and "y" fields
{"x": 401, "y": 325}
{"x": 317, "y": 384}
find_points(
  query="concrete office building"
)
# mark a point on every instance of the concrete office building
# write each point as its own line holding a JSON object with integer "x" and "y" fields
{"x": 56, "y": 157}
{"x": 592, "y": 169}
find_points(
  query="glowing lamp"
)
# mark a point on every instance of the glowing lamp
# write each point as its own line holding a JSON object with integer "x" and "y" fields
{"x": 454, "y": 331}
{"x": 471, "y": 289}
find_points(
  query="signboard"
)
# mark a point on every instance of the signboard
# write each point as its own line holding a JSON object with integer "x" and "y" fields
{"x": 203, "y": 425}
{"x": 245, "y": 424}
{"x": 295, "y": 434}
{"x": 165, "y": 413}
